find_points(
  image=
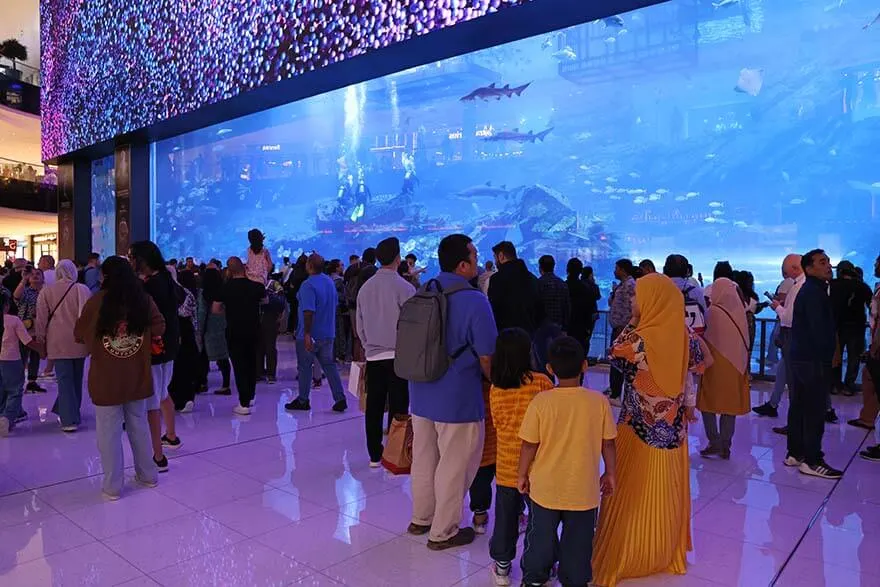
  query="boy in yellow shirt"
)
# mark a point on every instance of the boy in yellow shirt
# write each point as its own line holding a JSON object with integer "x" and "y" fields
{"x": 564, "y": 433}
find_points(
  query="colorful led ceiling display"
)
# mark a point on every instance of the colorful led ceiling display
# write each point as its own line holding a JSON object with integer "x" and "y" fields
{"x": 112, "y": 67}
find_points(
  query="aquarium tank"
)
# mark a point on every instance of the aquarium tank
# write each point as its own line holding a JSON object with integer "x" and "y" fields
{"x": 103, "y": 207}
{"x": 735, "y": 130}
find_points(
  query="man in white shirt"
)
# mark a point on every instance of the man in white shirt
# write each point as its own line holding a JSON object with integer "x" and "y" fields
{"x": 47, "y": 266}
{"x": 784, "y": 308}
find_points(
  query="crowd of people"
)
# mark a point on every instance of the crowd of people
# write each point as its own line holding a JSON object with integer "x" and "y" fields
{"x": 485, "y": 363}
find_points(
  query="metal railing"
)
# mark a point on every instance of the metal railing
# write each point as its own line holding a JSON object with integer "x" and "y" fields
{"x": 763, "y": 361}
{"x": 22, "y": 72}
{"x": 28, "y": 172}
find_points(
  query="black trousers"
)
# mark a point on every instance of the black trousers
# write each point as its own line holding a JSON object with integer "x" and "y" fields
{"x": 243, "y": 353}
{"x": 851, "y": 339}
{"x": 185, "y": 374}
{"x": 615, "y": 376}
{"x": 544, "y": 546}
{"x": 809, "y": 386}
{"x": 544, "y": 336}
{"x": 267, "y": 351}
{"x": 509, "y": 504}
{"x": 384, "y": 387}
{"x": 481, "y": 489}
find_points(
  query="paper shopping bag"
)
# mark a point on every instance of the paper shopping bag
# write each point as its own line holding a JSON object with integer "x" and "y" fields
{"x": 357, "y": 383}
{"x": 398, "y": 454}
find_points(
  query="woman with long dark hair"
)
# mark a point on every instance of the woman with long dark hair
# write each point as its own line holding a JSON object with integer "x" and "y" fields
{"x": 148, "y": 263}
{"x": 185, "y": 373}
{"x": 119, "y": 326}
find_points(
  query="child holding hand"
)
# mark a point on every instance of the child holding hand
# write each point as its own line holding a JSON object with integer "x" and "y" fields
{"x": 514, "y": 385}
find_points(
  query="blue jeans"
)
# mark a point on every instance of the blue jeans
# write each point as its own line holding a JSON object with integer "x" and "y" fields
{"x": 11, "y": 389}
{"x": 108, "y": 425}
{"x": 69, "y": 373}
{"x": 323, "y": 353}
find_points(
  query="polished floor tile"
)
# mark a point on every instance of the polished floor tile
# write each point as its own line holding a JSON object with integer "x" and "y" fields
{"x": 280, "y": 498}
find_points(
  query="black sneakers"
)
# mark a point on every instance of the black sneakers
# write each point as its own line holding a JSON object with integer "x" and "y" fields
{"x": 872, "y": 453}
{"x": 340, "y": 406}
{"x": 301, "y": 405}
{"x": 820, "y": 469}
{"x": 831, "y": 416}
{"x": 767, "y": 410}
{"x": 168, "y": 443}
{"x": 162, "y": 464}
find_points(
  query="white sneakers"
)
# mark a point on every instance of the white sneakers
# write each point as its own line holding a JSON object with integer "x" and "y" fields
{"x": 241, "y": 410}
{"x": 187, "y": 408}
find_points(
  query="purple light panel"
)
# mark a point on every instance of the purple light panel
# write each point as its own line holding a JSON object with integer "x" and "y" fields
{"x": 111, "y": 67}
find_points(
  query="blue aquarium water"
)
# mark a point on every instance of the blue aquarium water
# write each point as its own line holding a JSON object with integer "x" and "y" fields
{"x": 104, "y": 207}
{"x": 737, "y": 130}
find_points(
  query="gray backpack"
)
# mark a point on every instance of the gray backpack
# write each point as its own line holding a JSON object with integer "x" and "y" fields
{"x": 421, "y": 354}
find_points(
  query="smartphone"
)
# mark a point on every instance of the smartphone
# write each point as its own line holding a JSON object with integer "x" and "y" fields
{"x": 769, "y": 297}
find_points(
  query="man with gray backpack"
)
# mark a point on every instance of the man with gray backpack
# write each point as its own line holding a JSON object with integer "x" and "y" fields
{"x": 445, "y": 339}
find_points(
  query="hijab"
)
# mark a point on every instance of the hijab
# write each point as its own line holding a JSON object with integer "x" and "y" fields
{"x": 661, "y": 326}
{"x": 726, "y": 325}
{"x": 65, "y": 271}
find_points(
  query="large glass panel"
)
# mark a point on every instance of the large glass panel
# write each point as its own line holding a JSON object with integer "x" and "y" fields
{"x": 104, "y": 206}
{"x": 737, "y": 130}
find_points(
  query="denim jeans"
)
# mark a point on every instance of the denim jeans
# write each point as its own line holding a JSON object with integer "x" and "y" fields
{"x": 69, "y": 373}
{"x": 11, "y": 388}
{"x": 323, "y": 354}
{"x": 108, "y": 426}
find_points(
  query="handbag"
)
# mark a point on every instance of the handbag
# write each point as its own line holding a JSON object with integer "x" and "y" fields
{"x": 357, "y": 384}
{"x": 398, "y": 454}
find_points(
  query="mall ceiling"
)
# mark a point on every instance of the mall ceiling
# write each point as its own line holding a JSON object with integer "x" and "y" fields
{"x": 19, "y": 136}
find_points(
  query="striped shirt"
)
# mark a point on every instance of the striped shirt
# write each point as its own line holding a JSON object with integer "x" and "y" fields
{"x": 508, "y": 408}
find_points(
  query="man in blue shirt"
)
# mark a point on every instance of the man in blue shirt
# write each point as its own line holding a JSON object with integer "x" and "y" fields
{"x": 448, "y": 414}
{"x": 315, "y": 333}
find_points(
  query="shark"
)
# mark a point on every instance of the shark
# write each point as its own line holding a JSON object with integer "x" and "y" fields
{"x": 491, "y": 91}
{"x": 486, "y": 190}
{"x": 519, "y": 137}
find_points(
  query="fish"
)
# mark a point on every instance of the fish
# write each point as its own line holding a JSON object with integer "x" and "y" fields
{"x": 584, "y": 167}
{"x": 724, "y": 4}
{"x": 588, "y": 182}
{"x": 797, "y": 201}
{"x": 710, "y": 219}
{"x": 690, "y": 195}
{"x": 710, "y": 155}
{"x": 573, "y": 157}
{"x": 717, "y": 213}
{"x": 487, "y": 190}
{"x": 614, "y": 197}
{"x": 716, "y": 205}
{"x": 596, "y": 191}
{"x": 610, "y": 40}
{"x": 808, "y": 141}
{"x": 654, "y": 197}
{"x": 750, "y": 81}
{"x": 636, "y": 192}
{"x": 832, "y": 152}
{"x": 680, "y": 198}
{"x": 566, "y": 54}
{"x": 634, "y": 175}
{"x": 740, "y": 224}
{"x": 873, "y": 22}
{"x": 613, "y": 22}
{"x": 515, "y": 135}
{"x": 661, "y": 191}
{"x": 583, "y": 136}
{"x": 640, "y": 200}
{"x": 611, "y": 179}
{"x": 491, "y": 91}
{"x": 876, "y": 184}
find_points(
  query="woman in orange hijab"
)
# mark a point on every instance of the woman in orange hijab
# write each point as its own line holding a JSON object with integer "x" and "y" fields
{"x": 724, "y": 388}
{"x": 644, "y": 526}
